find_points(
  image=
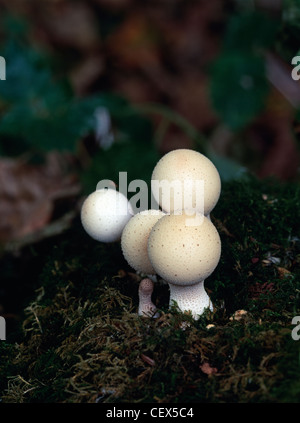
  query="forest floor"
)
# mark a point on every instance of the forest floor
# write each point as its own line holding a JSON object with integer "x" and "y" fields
{"x": 77, "y": 337}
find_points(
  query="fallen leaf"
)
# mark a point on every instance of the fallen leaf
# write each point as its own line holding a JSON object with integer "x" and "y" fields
{"x": 283, "y": 273}
{"x": 29, "y": 193}
{"x": 71, "y": 25}
{"x": 133, "y": 44}
{"x": 210, "y": 326}
{"x": 207, "y": 369}
{"x": 239, "y": 315}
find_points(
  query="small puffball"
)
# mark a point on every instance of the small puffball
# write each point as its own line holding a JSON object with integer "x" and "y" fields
{"x": 135, "y": 237}
{"x": 146, "y": 287}
{"x": 105, "y": 213}
{"x": 146, "y": 306}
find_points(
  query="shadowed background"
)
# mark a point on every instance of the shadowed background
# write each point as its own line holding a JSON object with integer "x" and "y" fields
{"x": 99, "y": 87}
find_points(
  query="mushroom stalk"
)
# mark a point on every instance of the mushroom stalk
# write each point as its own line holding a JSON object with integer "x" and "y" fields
{"x": 146, "y": 306}
{"x": 192, "y": 298}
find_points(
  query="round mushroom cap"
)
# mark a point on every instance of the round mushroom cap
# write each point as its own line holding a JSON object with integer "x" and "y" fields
{"x": 135, "y": 237}
{"x": 105, "y": 213}
{"x": 186, "y": 180}
{"x": 183, "y": 249}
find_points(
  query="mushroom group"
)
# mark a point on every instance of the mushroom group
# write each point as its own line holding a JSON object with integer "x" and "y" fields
{"x": 176, "y": 242}
{"x": 184, "y": 246}
{"x": 134, "y": 243}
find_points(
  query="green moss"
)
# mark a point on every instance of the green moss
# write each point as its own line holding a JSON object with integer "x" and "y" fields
{"x": 82, "y": 341}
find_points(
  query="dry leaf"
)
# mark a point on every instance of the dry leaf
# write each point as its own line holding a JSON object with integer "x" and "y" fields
{"x": 133, "y": 44}
{"x": 207, "y": 369}
{"x": 71, "y": 24}
{"x": 28, "y": 194}
{"x": 283, "y": 273}
{"x": 210, "y": 326}
{"x": 239, "y": 315}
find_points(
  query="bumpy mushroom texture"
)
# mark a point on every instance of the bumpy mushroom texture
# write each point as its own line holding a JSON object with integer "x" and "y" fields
{"x": 194, "y": 299}
{"x": 135, "y": 238}
{"x": 184, "y": 250}
{"x": 104, "y": 214}
{"x": 186, "y": 167}
{"x": 146, "y": 306}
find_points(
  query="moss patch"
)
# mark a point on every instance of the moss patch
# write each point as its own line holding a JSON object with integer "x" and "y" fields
{"x": 82, "y": 341}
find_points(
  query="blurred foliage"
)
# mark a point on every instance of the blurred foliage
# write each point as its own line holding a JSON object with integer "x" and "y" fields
{"x": 36, "y": 110}
{"x": 289, "y": 30}
{"x": 40, "y": 113}
{"x": 239, "y": 85}
{"x": 43, "y": 113}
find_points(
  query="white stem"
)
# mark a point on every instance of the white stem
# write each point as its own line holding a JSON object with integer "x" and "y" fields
{"x": 192, "y": 298}
{"x": 146, "y": 306}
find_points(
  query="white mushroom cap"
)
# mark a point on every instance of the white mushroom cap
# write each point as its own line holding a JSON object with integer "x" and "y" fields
{"x": 186, "y": 167}
{"x": 105, "y": 213}
{"x": 135, "y": 237}
{"x": 184, "y": 250}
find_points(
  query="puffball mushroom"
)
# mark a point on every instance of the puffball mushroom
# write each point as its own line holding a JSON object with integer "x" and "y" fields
{"x": 105, "y": 213}
{"x": 135, "y": 237}
{"x": 134, "y": 247}
{"x": 184, "y": 250}
{"x": 186, "y": 167}
{"x": 146, "y": 306}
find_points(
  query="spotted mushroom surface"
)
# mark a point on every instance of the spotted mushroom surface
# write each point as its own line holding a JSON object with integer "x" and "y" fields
{"x": 184, "y": 249}
{"x": 184, "y": 167}
{"x": 192, "y": 297}
{"x": 135, "y": 237}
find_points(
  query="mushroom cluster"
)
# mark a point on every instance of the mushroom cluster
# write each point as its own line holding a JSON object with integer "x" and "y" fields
{"x": 177, "y": 242}
{"x": 184, "y": 246}
{"x": 134, "y": 243}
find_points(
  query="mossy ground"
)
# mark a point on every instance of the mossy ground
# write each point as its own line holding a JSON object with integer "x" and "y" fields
{"x": 80, "y": 339}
